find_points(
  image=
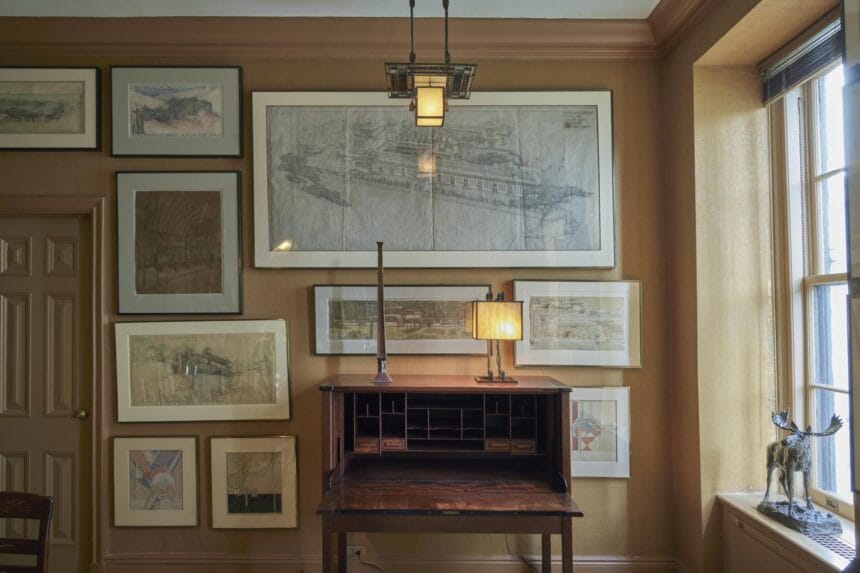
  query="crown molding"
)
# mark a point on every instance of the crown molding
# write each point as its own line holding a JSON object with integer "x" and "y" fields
{"x": 229, "y": 39}
{"x": 671, "y": 19}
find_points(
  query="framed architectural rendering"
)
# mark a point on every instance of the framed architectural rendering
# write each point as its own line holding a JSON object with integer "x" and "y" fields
{"x": 254, "y": 482}
{"x": 418, "y": 319}
{"x": 580, "y": 323}
{"x": 514, "y": 179}
{"x": 179, "y": 243}
{"x": 155, "y": 481}
{"x": 600, "y": 432}
{"x": 176, "y": 111}
{"x": 212, "y": 370}
{"x": 49, "y": 108}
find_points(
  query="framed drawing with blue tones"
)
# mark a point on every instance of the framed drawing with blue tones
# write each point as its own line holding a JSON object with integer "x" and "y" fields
{"x": 176, "y": 111}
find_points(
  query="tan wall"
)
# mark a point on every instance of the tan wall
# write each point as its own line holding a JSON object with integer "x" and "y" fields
{"x": 623, "y": 517}
{"x": 734, "y": 275}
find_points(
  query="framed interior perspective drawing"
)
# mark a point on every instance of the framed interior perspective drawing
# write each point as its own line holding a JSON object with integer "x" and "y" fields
{"x": 514, "y": 179}
{"x": 212, "y": 370}
{"x": 418, "y": 319}
{"x": 580, "y": 323}
{"x": 49, "y": 108}
{"x": 254, "y": 483}
{"x": 600, "y": 432}
{"x": 155, "y": 481}
{"x": 178, "y": 239}
{"x": 176, "y": 111}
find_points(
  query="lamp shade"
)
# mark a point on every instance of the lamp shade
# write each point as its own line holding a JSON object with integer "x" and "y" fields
{"x": 429, "y": 106}
{"x": 497, "y": 320}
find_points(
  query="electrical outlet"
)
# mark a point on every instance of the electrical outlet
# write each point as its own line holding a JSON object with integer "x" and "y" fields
{"x": 353, "y": 550}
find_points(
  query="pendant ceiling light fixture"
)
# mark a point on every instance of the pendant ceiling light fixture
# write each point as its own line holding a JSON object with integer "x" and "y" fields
{"x": 429, "y": 86}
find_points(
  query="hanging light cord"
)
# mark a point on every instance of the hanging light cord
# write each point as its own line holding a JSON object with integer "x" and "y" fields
{"x": 520, "y": 557}
{"x": 447, "y": 53}
{"x": 411, "y": 31}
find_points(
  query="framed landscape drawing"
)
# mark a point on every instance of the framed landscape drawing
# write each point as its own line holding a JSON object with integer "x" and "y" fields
{"x": 254, "y": 482}
{"x": 215, "y": 370}
{"x": 49, "y": 108}
{"x": 155, "y": 481}
{"x": 418, "y": 319}
{"x": 176, "y": 111}
{"x": 179, "y": 243}
{"x": 521, "y": 179}
{"x": 600, "y": 432}
{"x": 580, "y": 323}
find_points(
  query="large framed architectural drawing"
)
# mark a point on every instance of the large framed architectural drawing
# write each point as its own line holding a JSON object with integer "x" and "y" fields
{"x": 209, "y": 370}
{"x": 580, "y": 323}
{"x": 515, "y": 179}
{"x": 426, "y": 319}
{"x": 600, "y": 432}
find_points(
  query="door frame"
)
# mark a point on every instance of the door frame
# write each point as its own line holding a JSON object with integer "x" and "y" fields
{"x": 93, "y": 208}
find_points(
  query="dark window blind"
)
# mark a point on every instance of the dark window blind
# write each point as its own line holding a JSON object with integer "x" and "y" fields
{"x": 801, "y": 59}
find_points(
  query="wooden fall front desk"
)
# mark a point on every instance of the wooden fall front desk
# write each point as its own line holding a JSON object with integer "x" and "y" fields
{"x": 446, "y": 454}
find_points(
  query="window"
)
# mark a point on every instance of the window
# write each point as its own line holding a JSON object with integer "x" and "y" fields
{"x": 817, "y": 276}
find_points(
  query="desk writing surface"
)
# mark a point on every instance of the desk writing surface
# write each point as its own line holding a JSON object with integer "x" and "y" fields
{"x": 441, "y": 383}
{"x": 406, "y": 487}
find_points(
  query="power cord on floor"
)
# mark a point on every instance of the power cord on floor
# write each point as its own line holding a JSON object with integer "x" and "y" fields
{"x": 366, "y": 564}
{"x": 518, "y": 556}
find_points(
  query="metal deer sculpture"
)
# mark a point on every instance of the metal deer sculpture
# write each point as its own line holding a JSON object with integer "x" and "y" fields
{"x": 793, "y": 454}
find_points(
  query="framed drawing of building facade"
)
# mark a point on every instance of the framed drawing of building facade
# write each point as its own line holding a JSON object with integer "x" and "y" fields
{"x": 516, "y": 179}
{"x": 212, "y": 370}
{"x": 428, "y": 319}
{"x": 254, "y": 482}
{"x": 178, "y": 239}
{"x": 176, "y": 111}
{"x": 580, "y": 323}
{"x": 155, "y": 481}
{"x": 49, "y": 108}
{"x": 600, "y": 432}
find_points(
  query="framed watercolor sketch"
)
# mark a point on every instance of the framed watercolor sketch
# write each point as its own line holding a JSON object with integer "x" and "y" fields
{"x": 49, "y": 108}
{"x": 211, "y": 370}
{"x": 418, "y": 319}
{"x": 523, "y": 179}
{"x": 580, "y": 323}
{"x": 179, "y": 243}
{"x": 254, "y": 482}
{"x": 155, "y": 481}
{"x": 176, "y": 111}
{"x": 600, "y": 432}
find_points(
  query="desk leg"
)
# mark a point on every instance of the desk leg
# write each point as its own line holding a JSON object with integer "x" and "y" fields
{"x": 341, "y": 551}
{"x": 546, "y": 553}
{"x": 326, "y": 544}
{"x": 566, "y": 545}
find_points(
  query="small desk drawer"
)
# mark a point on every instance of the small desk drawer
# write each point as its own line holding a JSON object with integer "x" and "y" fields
{"x": 497, "y": 445}
{"x": 367, "y": 445}
{"x": 523, "y": 446}
{"x": 393, "y": 444}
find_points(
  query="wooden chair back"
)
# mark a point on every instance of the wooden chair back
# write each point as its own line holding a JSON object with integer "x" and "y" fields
{"x": 19, "y": 505}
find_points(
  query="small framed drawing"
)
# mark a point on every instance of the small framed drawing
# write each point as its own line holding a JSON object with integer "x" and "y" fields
{"x": 580, "y": 323}
{"x": 49, "y": 108}
{"x": 254, "y": 483}
{"x": 600, "y": 432}
{"x": 176, "y": 111}
{"x": 155, "y": 481}
{"x": 418, "y": 319}
{"x": 212, "y": 370}
{"x": 178, "y": 245}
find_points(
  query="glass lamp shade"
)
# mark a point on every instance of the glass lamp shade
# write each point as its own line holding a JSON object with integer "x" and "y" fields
{"x": 497, "y": 320}
{"x": 429, "y": 106}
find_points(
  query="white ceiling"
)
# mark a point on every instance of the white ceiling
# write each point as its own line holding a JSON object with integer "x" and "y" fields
{"x": 588, "y": 9}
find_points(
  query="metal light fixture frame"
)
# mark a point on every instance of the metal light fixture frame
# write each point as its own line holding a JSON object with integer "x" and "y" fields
{"x": 401, "y": 76}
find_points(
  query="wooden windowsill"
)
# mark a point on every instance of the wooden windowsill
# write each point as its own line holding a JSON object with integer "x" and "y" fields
{"x": 744, "y": 504}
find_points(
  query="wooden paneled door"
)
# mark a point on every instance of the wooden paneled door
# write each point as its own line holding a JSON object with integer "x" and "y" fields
{"x": 45, "y": 378}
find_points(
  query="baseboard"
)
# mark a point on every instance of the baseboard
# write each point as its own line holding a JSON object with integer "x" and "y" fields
{"x": 146, "y": 563}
